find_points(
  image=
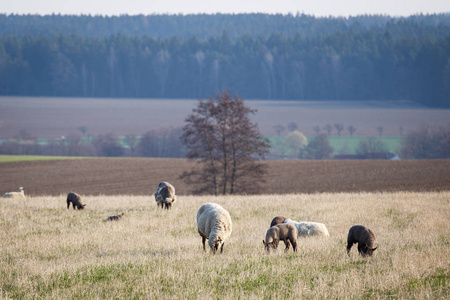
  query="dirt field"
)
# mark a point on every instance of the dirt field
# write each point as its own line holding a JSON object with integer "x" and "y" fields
{"x": 140, "y": 176}
{"x": 55, "y": 117}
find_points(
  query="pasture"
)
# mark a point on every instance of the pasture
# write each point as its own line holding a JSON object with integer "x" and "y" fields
{"x": 46, "y": 117}
{"x": 53, "y": 253}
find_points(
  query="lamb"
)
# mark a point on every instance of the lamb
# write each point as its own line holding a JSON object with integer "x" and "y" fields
{"x": 309, "y": 228}
{"x": 214, "y": 224}
{"x": 75, "y": 199}
{"x": 19, "y": 194}
{"x": 165, "y": 195}
{"x": 281, "y": 232}
{"x": 277, "y": 220}
{"x": 115, "y": 218}
{"x": 364, "y": 237}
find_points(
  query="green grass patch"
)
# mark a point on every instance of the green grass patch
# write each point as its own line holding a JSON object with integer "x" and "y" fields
{"x": 348, "y": 145}
{"x": 16, "y": 158}
{"x": 340, "y": 144}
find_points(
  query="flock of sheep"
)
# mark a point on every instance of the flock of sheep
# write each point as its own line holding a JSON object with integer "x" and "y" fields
{"x": 214, "y": 224}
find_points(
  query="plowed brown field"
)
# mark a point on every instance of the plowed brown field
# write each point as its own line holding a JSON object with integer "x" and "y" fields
{"x": 140, "y": 176}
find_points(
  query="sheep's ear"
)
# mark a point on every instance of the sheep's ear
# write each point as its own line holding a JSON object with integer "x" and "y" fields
{"x": 374, "y": 248}
{"x": 264, "y": 242}
{"x": 84, "y": 205}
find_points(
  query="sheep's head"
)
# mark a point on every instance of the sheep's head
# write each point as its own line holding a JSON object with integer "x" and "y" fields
{"x": 270, "y": 245}
{"x": 20, "y": 189}
{"x": 82, "y": 206}
{"x": 367, "y": 251}
{"x": 216, "y": 245}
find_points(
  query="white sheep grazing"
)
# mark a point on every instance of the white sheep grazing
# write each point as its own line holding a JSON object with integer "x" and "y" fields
{"x": 306, "y": 228}
{"x": 19, "y": 194}
{"x": 214, "y": 225}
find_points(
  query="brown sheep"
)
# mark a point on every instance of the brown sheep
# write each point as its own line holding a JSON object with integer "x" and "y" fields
{"x": 75, "y": 199}
{"x": 364, "y": 237}
{"x": 281, "y": 232}
{"x": 277, "y": 220}
{"x": 115, "y": 218}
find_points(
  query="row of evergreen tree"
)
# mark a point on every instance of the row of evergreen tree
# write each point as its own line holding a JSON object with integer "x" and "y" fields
{"x": 204, "y": 26}
{"x": 370, "y": 63}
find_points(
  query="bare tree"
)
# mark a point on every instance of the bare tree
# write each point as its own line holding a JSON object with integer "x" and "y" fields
{"x": 220, "y": 134}
{"x": 131, "y": 141}
{"x": 83, "y": 129}
{"x": 317, "y": 129}
{"x": 339, "y": 128}
{"x": 380, "y": 130}
{"x": 351, "y": 129}
{"x": 328, "y": 128}
{"x": 278, "y": 129}
{"x": 426, "y": 142}
{"x": 292, "y": 126}
{"x": 107, "y": 145}
{"x": 319, "y": 148}
{"x": 369, "y": 146}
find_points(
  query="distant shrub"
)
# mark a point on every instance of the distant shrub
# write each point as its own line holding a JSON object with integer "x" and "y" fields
{"x": 319, "y": 148}
{"x": 294, "y": 143}
{"x": 427, "y": 142}
{"x": 371, "y": 145}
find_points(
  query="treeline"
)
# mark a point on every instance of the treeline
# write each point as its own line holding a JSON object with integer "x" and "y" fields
{"x": 365, "y": 58}
{"x": 205, "y": 26}
{"x": 425, "y": 142}
{"x": 164, "y": 142}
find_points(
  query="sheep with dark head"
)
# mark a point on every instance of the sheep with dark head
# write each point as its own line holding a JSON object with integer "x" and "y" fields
{"x": 281, "y": 232}
{"x": 165, "y": 195}
{"x": 364, "y": 237}
{"x": 277, "y": 220}
{"x": 213, "y": 224}
{"x": 115, "y": 218}
{"x": 75, "y": 199}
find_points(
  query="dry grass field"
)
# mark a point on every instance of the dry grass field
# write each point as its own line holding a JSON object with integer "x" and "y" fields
{"x": 49, "y": 252}
{"x": 46, "y": 117}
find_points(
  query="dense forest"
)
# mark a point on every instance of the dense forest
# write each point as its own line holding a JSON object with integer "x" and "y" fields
{"x": 257, "y": 56}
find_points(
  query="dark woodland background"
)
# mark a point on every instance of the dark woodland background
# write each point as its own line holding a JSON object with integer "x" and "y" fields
{"x": 257, "y": 56}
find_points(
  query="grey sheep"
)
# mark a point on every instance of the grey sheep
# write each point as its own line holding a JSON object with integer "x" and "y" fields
{"x": 115, "y": 218}
{"x": 281, "y": 232}
{"x": 165, "y": 195}
{"x": 214, "y": 224}
{"x": 75, "y": 199}
{"x": 364, "y": 237}
{"x": 277, "y": 220}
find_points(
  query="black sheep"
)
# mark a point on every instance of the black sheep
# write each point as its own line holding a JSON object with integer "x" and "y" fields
{"x": 364, "y": 237}
{"x": 75, "y": 199}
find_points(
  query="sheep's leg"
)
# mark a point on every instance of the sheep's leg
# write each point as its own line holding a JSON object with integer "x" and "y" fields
{"x": 349, "y": 246}
{"x": 286, "y": 242}
{"x": 221, "y": 248}
{"x": 203, "y": 242}
{"x": 294, "y": 246}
